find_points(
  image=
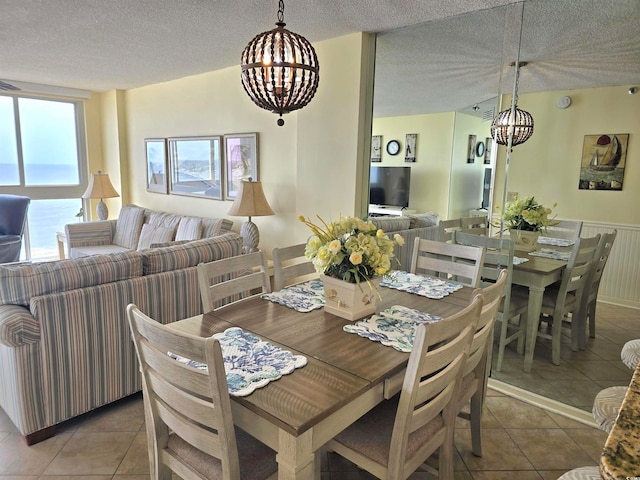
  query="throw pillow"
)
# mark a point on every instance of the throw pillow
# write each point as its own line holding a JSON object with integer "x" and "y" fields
{"x": 128, "y": 226}
{"x": 189, "y": 228}
{"x": 154, "y": 234}
{"x": 420, "y": 220}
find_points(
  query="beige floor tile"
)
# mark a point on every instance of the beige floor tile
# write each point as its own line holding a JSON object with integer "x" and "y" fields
{"x": 6, "y": 425}
{"x": 75, "y": 477}
{"x": 499, "y": 452}
{"x": 591, "y": 440}
{"x": 136, "y": 461}
{"x": 98, "y": 453}
{"x": 513, "y": 413}
{"x": 516, "y": 474}
{"x": 16, "y": 458}
{"x": 128, "y": 477}
{"x": 126, "y": 415}
{"x": 19, "y": 477}
{"x": 549, "y": 449}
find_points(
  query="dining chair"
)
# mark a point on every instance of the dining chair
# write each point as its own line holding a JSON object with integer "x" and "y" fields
{"x": 291, "y": 266}
{"x": 478, "y": 225}
{"x": 499, "y": 254}
{"x": 566, "y": 229}
{"x": 460, "y": 263}
{"x": 13, "y": 218}
{"x": 188, "y": 416}
{"x": 232, "y": 279}
{"x": 590, "y": 295}
{"x": 447, "y": 227}
{"x": 558, "y": 302}
{"x": 473, "y": 386}
{"x": 398, "y": 435}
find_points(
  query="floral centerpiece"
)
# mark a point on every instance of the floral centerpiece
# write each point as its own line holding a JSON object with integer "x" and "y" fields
{"x": 527, "y": 214}
{"x": 349, "y": 253}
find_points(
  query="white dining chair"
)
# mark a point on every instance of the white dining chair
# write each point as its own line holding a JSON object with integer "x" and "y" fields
{"x": 565, "y": 229}
{"x": 188, "y": 416}
{"x": 477, "y": 225}
{"x": 291, "y": 266}
{"x": 447, "y": 227}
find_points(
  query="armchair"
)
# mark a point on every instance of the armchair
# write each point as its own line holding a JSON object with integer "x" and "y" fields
{"x": 13, "y": 216}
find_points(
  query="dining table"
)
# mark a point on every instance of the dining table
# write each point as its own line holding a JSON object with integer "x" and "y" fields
{"x": 536, "y": 273}
{"x": 345, "y": 376}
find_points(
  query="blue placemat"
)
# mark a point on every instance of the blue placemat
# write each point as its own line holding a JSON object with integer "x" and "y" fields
{"x": 558, "y": 242}
{"x": 302, "y": 297}
{"x": 429, "y": 287}
{"x": 249, "y": 361}
{"x": 550, "y": 253}
{"x": 394, "y": 327}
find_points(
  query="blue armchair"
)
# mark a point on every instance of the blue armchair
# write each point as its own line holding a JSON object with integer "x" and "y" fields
{"x": 13, "y": 216}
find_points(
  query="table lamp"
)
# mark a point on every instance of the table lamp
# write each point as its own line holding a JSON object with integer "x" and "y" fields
{"x": 100, "y": 187}
{"x": 250, "y": 202}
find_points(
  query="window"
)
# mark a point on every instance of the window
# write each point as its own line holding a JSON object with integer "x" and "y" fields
{"x": 42, "y": 145}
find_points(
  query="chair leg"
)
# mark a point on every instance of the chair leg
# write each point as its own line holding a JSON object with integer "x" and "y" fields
{"x": 591, "y": 315}
{"x": 445, "y": 457}
{"x": 476, "y": 424}
{"x": 502, "y": 342}
{"x": 556, "y": 337}
{"x": 522, "y": 332}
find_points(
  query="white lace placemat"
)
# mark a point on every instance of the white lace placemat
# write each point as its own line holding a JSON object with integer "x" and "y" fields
{"x": 519, "y": 260}
{"x": 249, "y": 361}
{"x": 558, "y": 242}
{"x": 302, "y": 297}
{"x": 420, "y": 284}
{"x": 550, "y": 253}
{"x": 394, "y": 327}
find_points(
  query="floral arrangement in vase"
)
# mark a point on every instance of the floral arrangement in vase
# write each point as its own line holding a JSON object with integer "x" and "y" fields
{"x": 350, "y": 249}
{"x": 527, "y": 214}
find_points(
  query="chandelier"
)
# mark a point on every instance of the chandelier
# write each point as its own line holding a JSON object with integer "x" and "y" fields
{"x": 513, "y": 122}
{"x": 280, "y": 70}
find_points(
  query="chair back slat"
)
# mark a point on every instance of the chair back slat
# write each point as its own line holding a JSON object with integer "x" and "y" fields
{"x": 291, "y": 266}
{"x": 446, "y": 229}
{"x": 460, "y": 263}
{"x": 566, "y": 229}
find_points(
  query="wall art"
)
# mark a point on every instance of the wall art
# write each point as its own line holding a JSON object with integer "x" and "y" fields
{"x": 603, "y": 161}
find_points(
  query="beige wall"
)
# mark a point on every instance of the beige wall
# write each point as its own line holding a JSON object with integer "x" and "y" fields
{"x": 548, "y": 164}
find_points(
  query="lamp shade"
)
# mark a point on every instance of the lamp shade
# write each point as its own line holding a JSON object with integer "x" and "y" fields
{"x": 100, "y": 187}
{"x": 250, "y": 201}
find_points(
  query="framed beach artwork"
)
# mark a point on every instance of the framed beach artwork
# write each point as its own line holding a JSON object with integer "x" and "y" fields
{"x": 603, "y": 161}
{"x": 410, "y": 147}
{"x": 376, "y": 148}
{"x": 196, "y": 166}
{"x": 241, "y": 161}
{"x": 471, "y": 149}
{"x": 156, "y": 156}
{"x": 488, "y": 143}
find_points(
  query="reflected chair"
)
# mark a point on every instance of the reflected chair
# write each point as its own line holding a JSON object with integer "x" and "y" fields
{"x": 446, "y": 229}
{"x": 232, "y": 279}
{"x": 473, "y": 386}
{"x": 477, "y": 225}
{"x": 590, "y": 295}
{"x": 558, "y": 303}
{"x": 460, "y": 263}
{"x": 13, "y": 218}
{"x": 566, "y": 229}
{"x": 188, "y": 414}
{"x": 499, "y": 255}
{"x": 398, "y": 435}
{"x": 291, "y": 266}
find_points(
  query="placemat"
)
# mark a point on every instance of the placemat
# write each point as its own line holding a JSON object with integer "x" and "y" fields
{"x": 558, "y": 242}
{"x": 249, "y": 361}
{"x": 302, "y": 297}
{"x": 519, "y": 260}
{"x": 425, "y": 286}
{"x": 394, "y": 327}
{"x": 550, "y": 253}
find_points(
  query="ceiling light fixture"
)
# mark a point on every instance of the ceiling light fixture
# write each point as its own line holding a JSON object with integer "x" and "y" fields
{"x": 280, "y": 70}
{"x": 513, "y": 126}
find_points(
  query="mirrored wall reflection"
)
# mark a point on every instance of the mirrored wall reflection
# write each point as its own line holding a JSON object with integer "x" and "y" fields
{"x": 430, "y": 77}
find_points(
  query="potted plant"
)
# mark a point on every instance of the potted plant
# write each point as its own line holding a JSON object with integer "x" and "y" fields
{"x": 525, "y": 218}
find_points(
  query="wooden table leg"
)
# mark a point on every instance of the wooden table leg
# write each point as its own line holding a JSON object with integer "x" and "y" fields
{"x": 296, "y": 459}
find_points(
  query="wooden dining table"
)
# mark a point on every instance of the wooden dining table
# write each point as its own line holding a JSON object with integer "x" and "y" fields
{"x": 536, "y": 274}
{"x": 345, "y": 376}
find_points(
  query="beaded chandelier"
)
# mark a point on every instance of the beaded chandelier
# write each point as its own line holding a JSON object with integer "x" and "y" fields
{"x": 516, "y": 123}
{"x": 280, "y": 70}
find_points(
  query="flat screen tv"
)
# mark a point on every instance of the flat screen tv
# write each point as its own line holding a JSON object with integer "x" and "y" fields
{"x": 389, "y": 186}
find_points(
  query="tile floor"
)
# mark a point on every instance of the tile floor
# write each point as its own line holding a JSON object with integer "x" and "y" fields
{"x": 519, "y": 440}
{"x": 580, "y": 375}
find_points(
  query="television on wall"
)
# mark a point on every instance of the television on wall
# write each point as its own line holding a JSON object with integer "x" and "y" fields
{"x": 389, "y": 186}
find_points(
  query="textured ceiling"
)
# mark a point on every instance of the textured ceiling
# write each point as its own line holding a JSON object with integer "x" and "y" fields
{"x": 450, "y": 62}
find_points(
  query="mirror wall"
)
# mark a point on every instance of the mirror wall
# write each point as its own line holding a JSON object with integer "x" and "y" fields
{"x": 430, "y": 78}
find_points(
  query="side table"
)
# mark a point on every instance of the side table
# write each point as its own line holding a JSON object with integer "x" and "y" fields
{"x": 62, "y": 244}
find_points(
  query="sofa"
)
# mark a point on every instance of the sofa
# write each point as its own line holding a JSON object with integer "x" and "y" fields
{"x": 65, "y": 346}
{"x": 410, "y": 227}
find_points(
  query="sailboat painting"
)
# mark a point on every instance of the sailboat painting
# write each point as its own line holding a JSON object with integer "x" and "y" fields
{"x": 603, "y": 161}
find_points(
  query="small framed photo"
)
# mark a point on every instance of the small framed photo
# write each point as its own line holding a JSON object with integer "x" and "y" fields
{"x": 488, "y": 143}
{"x": 196, "y": 166}
{"x": 410, "y": 147}
{"x": 241, "y": 161}
{"x": 376, "y": 148}
{"x": 156, "y": 155}
{"x": 471, "y": 149}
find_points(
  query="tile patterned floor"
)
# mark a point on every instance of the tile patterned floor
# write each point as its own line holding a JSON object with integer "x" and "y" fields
{"x": 519, "y": 440}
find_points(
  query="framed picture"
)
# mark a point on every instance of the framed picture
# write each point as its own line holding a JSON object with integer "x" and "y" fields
{"x": 241, "y": 161}
{"x": 196, "y": 166}
{"x": 488, "y": 142}
{"x": 603, "y": 161}
{"x": 156, "y": 155}
{"x": 376, "y": 148}
{"x": 471, "y": 149}
{"x": 410, "y": 147}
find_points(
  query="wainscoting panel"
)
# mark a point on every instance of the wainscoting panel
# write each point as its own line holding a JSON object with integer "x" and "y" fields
{"x": 621, "y": 279}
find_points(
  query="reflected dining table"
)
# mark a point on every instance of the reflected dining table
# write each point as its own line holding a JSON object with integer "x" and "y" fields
{"x": 345, "y": 376}
{"x": 536, "y": 273}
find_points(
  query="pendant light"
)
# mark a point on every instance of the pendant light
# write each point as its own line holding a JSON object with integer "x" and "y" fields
{"x": 280, "y": 70}
{"x": 513, "y": 122}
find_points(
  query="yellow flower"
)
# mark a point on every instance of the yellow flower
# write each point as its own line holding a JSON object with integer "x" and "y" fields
{"x": 335, "y": 246}
{"x": 398, "y": 238}
{"x": 355, "y": 258}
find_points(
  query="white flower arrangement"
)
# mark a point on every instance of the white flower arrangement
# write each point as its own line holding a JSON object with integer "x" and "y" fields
{"x": 527, "y": 214}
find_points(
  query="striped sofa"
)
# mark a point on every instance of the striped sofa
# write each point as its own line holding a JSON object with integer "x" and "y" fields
{"x": 65, "y": 346}
{"x": 410, "y": 227}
